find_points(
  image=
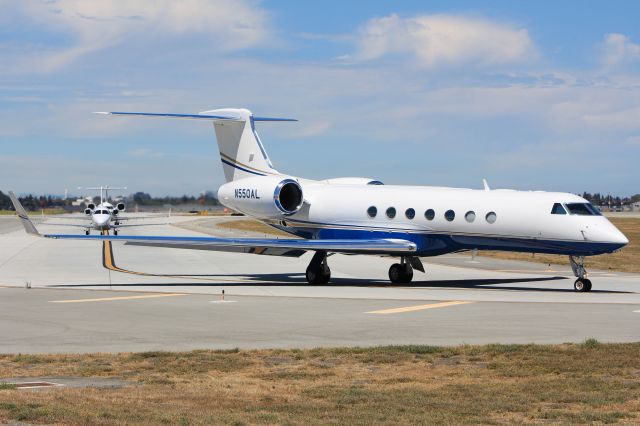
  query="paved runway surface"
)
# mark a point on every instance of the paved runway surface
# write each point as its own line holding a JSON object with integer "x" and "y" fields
{"x": 175, "y": 300}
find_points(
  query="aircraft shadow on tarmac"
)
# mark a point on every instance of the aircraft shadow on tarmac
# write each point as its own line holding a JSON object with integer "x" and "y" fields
{"x": 298, "y": 280}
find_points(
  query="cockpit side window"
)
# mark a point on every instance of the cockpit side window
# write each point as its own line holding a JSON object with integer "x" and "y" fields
{"x": 558, "y": 209}
{"x": 582, "y": 209}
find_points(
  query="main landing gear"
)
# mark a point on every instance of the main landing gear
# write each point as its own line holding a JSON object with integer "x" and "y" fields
{"x": 582, "y": 284}
{"x": 403, "y": 272}
{"x": 86, "y": 232}
{"x": 318, "y": 271}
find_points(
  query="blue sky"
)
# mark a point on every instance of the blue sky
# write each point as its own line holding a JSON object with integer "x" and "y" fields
{"x": 530, "y": 95}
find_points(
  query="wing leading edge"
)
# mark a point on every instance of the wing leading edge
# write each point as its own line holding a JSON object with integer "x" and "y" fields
{"x": 385, "y": 245}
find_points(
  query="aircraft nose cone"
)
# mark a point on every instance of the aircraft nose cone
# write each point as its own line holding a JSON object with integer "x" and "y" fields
{"x": 101, "y": 219}
{"x": 620, "y": 238}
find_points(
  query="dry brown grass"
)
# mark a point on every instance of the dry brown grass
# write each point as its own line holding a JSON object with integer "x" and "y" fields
{"x": 626, "y": 260}
{"x": 583, "y": 383}
{"x": 253, "y": 226}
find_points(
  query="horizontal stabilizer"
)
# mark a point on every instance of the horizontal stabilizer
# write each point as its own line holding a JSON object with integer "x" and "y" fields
{"x": 183, "y": 116}
{"x": 202, "y": 116}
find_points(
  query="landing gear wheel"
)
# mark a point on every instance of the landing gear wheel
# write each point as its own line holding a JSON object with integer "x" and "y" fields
{"x": 582, "y": 285}
{"x": 400, "y": 273}
{"x": 115, "y": 232}
{"x": 86, "y": 232}
{"x": 319, "y": 275}
{"x": 318, "y": 271}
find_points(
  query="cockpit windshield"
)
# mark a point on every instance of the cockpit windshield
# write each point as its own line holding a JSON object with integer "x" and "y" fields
{"x": 583, "y": 209}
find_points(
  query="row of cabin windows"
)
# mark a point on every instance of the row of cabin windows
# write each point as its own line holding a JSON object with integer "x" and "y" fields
{"x": 430, "y": 214}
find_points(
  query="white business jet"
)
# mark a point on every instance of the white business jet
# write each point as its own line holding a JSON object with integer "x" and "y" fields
{"x": 105, "y": 216}
{"x": 363, "y": 216}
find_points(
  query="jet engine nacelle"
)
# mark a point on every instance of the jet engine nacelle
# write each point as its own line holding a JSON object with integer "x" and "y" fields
{"x": 271, "y": 196}
{"x": 87, "y": 211}
{"x": 115, "y": 212}
{"x": 91, "y": 206}
{"x": 120, "y": 207}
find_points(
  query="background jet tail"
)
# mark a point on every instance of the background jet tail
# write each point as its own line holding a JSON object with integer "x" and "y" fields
{"x": 22, "y": 214}
{"x": 241, "y": 151}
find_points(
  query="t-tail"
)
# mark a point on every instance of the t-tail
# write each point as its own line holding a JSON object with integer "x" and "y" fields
{"x": 241, "y": 151}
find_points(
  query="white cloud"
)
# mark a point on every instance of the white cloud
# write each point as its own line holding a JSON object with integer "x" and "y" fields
{"x": 94, "y": 25}
{"x": 618, "y": 49}
{"x": 445, "y": 40}
{"x": 633, "y": 140}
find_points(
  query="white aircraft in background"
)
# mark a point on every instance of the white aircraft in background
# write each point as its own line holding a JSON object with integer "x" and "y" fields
{"x": 105, "y": 216}
{"x": 363, "y": 216}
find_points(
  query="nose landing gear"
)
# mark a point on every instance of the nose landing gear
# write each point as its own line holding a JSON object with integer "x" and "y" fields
{"x": 582, "y": 284}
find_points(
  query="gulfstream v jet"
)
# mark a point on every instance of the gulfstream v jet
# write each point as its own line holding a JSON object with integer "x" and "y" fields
{"x": 363, "y": 216}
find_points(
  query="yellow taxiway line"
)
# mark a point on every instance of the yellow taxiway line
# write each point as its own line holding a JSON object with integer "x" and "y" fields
{"x": 419, "y": 307}
{"x": 106, "y": 299}
{"x": 109, "y": 263}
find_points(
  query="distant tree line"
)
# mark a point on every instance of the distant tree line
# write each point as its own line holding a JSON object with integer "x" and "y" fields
{"x": 144, "y": 199}
{"x": 31, "y": 202}
{"x": 610, "y": 200}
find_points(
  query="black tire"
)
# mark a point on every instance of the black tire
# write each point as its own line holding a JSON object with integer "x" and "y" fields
{"x": 115, "y": 232}
{"x": 396, "y": 273}
{"x": 587, "y": 284}
{"x": 320, "y": 275}
{"x": 581, "y": 285}
{"x": 407, "y": 273}
{"x": 86, "y": 232}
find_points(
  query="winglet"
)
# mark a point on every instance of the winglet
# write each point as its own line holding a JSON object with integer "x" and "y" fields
{"x": 486, "y": 185}
{"x": 22, "y": 214}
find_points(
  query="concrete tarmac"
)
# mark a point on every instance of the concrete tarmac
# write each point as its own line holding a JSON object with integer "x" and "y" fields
{"x": 168, "y": 299}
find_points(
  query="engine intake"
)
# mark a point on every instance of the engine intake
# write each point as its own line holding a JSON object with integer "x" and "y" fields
{"x": 288, "y": 196}
{"x": 91, "y": 206}
{"x": 87, "y": 211}
{"x": 120, "y": 207}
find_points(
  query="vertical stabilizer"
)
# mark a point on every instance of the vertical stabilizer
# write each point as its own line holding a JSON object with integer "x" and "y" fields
{"x": 241, "y": 151}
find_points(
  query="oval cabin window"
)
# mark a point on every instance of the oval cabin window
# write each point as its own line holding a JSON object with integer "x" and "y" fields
{"x": 470, "y": 216}
{"x": 450, "y": 215}
{"x": 429, "y": 214}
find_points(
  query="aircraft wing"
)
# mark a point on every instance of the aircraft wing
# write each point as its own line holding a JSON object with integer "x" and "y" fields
{"x": 88, "y": 225}
{"x": 68, "y": 217}
{"x": 138, "y": 217}
{"x": 138, "y": 224}
{"x": 382, "y": 245}
{"x": 251, "y": 245}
